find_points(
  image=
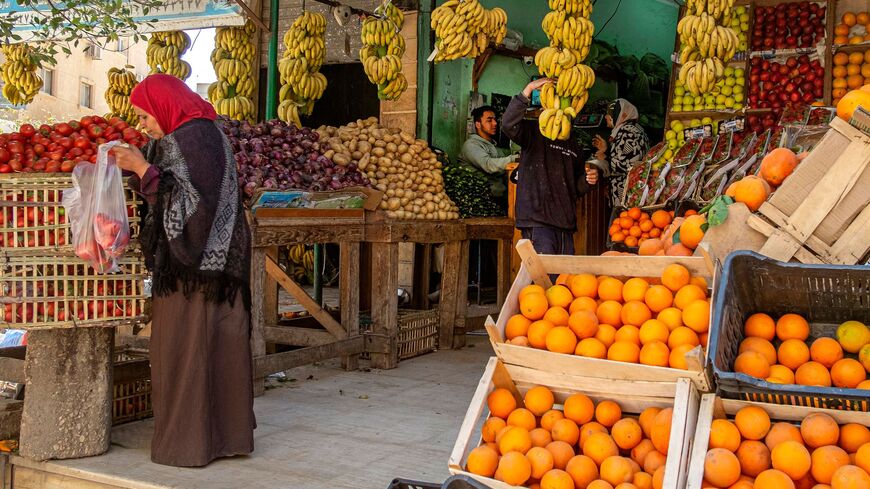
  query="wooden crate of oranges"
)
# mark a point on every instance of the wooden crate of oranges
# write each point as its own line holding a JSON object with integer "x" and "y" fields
{"x": 610, "y": 317}
{"x": 745, "y": 445}
{"x": 530, "y": 428}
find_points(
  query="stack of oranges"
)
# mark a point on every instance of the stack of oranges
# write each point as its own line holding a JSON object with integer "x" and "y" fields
{"x": 851, "y": 71}
{"x": 648, "y": 321}
{"x": 634, "y": 226}
{"x": 582, "y": 445}
{"x": 794, "y": 361}
{"x": 751, "y": 452}
{"x": 853, "y": 28}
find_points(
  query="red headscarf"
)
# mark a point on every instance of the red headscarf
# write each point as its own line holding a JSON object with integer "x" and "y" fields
{"x": 170, "y": 101}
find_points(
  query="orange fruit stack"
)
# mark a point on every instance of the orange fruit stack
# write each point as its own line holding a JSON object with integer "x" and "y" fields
{"x": 793, "y": 359}
{"x": 634, "y": 226}
{"x": 582, "y": 445}
{"x": 853, "y": 28}
{"x": 851, "y": 71}
{"x": 639, "y": 320}
{"x": 749, "y": 451}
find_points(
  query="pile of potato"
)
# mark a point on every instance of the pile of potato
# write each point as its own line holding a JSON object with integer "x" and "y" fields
{"x": 402, "y": 167}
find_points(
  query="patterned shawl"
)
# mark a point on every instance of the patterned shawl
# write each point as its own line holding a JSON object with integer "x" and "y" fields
{"x": 197, "y": 235}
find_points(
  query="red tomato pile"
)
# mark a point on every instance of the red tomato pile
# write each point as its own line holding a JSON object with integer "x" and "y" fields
{"x": 90, "y": 302}
{"x": 60, "y": 147}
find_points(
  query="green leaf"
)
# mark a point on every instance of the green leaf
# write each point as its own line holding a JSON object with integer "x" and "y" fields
{"x": 676, "y": 237}
{"x": 718, "y": 212}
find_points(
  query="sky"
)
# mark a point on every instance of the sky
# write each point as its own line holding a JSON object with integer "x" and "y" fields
{"x": 199, "y": 56}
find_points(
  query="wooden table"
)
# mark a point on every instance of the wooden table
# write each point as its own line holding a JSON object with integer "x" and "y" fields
{"x": 341, "y": 337}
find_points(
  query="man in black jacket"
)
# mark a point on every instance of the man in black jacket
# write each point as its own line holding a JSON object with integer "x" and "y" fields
{"x": 546, "y": 189}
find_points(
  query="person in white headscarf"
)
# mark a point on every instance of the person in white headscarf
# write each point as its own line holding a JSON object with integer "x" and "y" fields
{"x": 627, "y": 146}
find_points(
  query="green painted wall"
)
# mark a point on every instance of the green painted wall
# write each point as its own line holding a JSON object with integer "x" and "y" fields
{"x": 639, "y": 27}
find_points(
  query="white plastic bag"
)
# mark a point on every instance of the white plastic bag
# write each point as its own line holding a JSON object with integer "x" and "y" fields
{"x": 97, "y": 211}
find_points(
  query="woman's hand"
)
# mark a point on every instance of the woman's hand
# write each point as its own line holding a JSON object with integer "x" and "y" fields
{"x": 599, "y": 143}
{"x": 591, "y": 176}
{"x": 534, "y": 85}
{"x": 130, "y": 158}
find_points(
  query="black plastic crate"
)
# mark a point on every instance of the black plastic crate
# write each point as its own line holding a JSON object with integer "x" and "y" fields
{"x": 455, "y": 482}
{"x": 826, "y": 295}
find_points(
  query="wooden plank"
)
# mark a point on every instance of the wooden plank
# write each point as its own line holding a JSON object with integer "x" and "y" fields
{"x": 609, "y": 370}
{"x": 853, "y": 244}
{"x": 622, "y": 266}
{"x": 294, "y": 336}
{"x": 385, "y": 301}
{"x": 765, "y": 228}
{"x": 449, "y": 290}
{"x": 533, "y": 261}
{"x": 270, "y": 293}
{"x": 258, "y": 321}
{"x": 310, "y": 233}
{"x": 459, "y": 329}
{"x": 279, "y": 362}
{"x": 503, "y": 280}
{"x": 702, "y": 437}
{"x": 324, "y": 318}
{"x": 472, "y": 415}
{"x": 829, "y": 191}
{"x": 734, "y": 234}
{"x": 491, "y": 228}
{"x": 683, "y": 422}
{"x": 348, "y": 282}
{"x": 414, "y": 231}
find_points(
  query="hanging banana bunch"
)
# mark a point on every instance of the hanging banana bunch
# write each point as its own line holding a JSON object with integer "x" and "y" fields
{"x": 302, "y": 259}
{"x": 164, "y": 53}
{"x": 302, "y": 82}
{"x": 19, "y": 74}
{"x": 233, "y": 60}
{"x": 708, "y": 43}
{"x": 383, "y": 47}
{"x": 570, "y": 32}
{"x": 464, "y": 29}
{"x": 121, "y": 83}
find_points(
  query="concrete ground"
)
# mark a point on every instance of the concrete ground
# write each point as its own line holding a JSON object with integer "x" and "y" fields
{"x": 320, "y": 428}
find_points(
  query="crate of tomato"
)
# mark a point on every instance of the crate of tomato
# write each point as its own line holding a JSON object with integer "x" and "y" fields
{"x": 35, "y": 166}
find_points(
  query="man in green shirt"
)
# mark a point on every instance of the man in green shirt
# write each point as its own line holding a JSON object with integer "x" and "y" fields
{"x": 480, "y": 152}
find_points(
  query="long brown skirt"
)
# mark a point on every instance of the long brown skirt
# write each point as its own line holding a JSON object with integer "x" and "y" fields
{"x": 201, "y": 378}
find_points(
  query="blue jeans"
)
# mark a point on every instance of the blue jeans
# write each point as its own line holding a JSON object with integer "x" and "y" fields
{"x": 550, "y": 241}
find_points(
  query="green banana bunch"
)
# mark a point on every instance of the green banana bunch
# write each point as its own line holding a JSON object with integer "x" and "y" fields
{"x": 234, "y": 60}
{"x": 570, "y": 32}
{"x": 21, "y": 83}
{"x": 121, "y": 83}
{"x": 465, "y": 29}
{"x": 382, "y": 51}
{"x": 302, "y": 84}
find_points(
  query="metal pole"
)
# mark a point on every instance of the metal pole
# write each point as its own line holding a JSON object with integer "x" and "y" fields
{"x": 318, "y": 273}
{"x": 425, "y": 77}
{"x": 272, "y": 69}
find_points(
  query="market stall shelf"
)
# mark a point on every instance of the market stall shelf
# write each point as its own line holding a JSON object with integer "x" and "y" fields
{"x": 821, "y": 213}
{"x": 386, "y": 341}
{"x": 713, "y": 407}
{"x": 537, "y": 269}
{"x": 680, "y": 395}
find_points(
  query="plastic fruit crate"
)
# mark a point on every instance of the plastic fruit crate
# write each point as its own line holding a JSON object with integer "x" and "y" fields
{"x": 32, "y": 216}
{"x": 826, "y": 295}
{"x": 63, "y": 291}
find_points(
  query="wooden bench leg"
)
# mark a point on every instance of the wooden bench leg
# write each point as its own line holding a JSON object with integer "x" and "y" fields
{"x": 348, "y": 283}
{"x": 385, "y": 301}
{"x": 449, "y": 292}
{"x": 258, "y": 341}
{"x": 461, "y": 297}
{"x": 505, "y": 251}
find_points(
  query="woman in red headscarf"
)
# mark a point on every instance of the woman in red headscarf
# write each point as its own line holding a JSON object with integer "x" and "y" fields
{"x": 196, "y": 243}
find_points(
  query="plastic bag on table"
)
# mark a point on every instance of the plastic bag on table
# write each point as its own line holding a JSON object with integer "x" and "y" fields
{"x": 97, "y": 211}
